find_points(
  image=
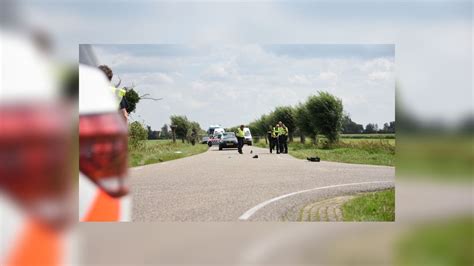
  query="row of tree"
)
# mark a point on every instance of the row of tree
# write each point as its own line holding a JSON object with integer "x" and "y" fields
{"x": 320, "y": 114}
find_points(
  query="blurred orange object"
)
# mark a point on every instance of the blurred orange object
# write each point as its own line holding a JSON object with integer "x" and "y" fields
{"x": 104, "y": 208}
{"x": 36, "y": 245}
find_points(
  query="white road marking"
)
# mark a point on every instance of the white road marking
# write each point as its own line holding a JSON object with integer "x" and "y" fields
{"x": 253, "y": 210}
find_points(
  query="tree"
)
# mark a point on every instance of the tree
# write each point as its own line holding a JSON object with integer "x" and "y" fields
{"x": 182, "y": 124}
{"x": 260, "y": 126}
{"x": 195, "y": 130}
{"x": 303, "y": 122}
{"x": 350, "y": 127}
{"x": 132, "y": 99}
{"x": 165, "y": 132}
{"x": 371, "y": 128}
{"x": 326, "y": 115}
{"x": 285, "y": 114}
{"x": 391, "y": 127}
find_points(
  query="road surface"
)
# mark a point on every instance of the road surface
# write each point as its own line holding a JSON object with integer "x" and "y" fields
{"x": 226, "y": 186}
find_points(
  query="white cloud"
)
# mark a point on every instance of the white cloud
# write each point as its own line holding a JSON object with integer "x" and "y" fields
{"x": 380, "y": 75}
{"x": 164, "y": 78}
{"x": 299, "y": 79}
{"x": 378, "y": 64}
{"x": 328, "y": 76}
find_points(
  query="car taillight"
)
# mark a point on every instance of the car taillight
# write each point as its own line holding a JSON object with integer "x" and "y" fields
{"x": 36, "y": 159}
{"x": 103, "y": 151}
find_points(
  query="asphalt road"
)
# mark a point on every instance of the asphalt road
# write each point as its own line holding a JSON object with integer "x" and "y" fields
{"x": 226, "y": 186}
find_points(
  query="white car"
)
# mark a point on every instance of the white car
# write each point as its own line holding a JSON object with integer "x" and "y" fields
{"x": 103, "y": 148}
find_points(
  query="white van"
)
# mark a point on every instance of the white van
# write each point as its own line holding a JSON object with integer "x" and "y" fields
{"x": 248, "y": 136}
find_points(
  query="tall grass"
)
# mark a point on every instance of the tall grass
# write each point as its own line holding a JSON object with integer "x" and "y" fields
{"x": 156, "y": 151}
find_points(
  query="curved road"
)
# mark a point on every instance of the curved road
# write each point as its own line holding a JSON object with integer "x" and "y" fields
{"x": 225, "y": 186}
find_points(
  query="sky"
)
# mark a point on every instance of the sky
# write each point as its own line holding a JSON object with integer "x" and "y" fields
{"x": 433, "y": 38}
{"x": 237, "y": 83}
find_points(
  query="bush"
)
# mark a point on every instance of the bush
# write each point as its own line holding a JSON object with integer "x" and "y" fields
{"x": 132, "y": 99}
{"x": 137, "y": 135}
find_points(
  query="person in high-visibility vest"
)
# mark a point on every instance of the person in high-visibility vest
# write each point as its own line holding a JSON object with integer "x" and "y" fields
{"x": 282, "y": 132}
{"x": 240, "y": 134}
{"x": 284, "y": 144}
{"x": 276, "y": 143}
{"x": 118, "y": 92}
{"x": 270, "y": 137}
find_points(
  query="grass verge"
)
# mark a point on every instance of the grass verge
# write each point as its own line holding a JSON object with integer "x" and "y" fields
{"x": 373, "y": 206}
{"x": 156, "y": 151}
{"x": 439, "y": 243}
{"x": 348, "y": 150}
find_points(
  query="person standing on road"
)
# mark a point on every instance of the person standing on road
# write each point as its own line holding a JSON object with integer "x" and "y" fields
{"x": 119, "y": 93}
{"x": 276, "y": 138}
{"x": 240, "y": 134}
{"x": 285, "y": 138}
{"x": 281, "y": 137}
{"x": 271, "y": 138}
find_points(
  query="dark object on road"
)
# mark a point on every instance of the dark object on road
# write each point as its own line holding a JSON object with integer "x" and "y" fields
{"x": 313, "y": 159}
{"x": 251, "y": 151}
{"x": 255, "y": 157}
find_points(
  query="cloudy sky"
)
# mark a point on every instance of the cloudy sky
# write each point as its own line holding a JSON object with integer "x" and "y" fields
{"x": 433, "y": 38}
{"x": 234, "y": 84}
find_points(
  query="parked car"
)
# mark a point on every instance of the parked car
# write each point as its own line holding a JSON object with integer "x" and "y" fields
{"x": 228, "y": 140}
{"x": 204, "y": 140}
{"x": 248, "y": 136}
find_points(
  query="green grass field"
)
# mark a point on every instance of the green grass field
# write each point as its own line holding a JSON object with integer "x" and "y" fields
{"x": 443, "y": 157}
{"x": 447, "y": 242}
{"x": 368, "y": 136}
{"x": 156, "y": 151}
{"x": 373, "y": 149}
{"x": 373, "y": 206}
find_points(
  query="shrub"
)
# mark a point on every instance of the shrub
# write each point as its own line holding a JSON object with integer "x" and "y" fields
{"x": 137, "y": 135}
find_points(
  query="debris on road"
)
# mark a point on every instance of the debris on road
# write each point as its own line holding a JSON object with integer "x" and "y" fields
{"x": 313, "y": 159}
{"x": 255, "y": 157}
{"x": 251, "y": 151}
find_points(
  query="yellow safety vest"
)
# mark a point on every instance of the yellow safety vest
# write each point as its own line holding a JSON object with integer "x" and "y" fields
{"x": 281, "y": 131}
{"x": 285, "y": 131}
{"x": 274, "y": 132}
{"x": 119, "y": 93}
{"x": 240, "y": 133}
